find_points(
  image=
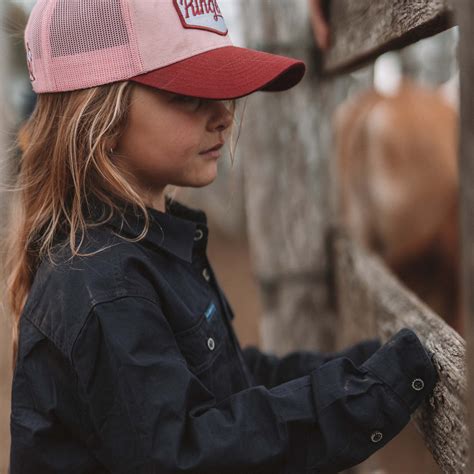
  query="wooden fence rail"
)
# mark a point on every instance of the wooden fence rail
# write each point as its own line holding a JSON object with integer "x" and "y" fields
{"x": 466, "y": 167}
{"x": 362, "y": 30}
{"x": 372, "y": 302}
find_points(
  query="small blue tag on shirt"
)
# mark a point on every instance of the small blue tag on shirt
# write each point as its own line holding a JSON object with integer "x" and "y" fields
{"x": 210, "y": 311}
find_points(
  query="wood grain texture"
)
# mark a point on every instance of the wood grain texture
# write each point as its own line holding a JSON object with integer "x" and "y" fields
{"x": 285, "y": 144}
{"x": 466, "y": 27}
{"x": 362, "y": 30}
{"x": 374, "y": 303}
{"x": 6, "y": 122}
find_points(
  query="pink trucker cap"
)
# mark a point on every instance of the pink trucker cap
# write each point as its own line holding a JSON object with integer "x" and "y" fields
{"x": 180, "y": 46}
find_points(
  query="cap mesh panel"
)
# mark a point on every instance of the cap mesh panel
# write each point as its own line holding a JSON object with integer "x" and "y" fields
{"x": 80, "y": 26}
{"x": 36, "y": 46}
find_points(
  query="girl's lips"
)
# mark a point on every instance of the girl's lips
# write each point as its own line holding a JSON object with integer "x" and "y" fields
{"x": 215, "y": 148}
{"x": 212, "y": 154}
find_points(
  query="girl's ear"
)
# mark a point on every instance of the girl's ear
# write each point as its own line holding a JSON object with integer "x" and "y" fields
{"x": 110, "y": 145}
{"x": 110, "y": 148}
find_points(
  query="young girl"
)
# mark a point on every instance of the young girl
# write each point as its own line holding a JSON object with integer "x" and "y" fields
{"x": 126, "y": 360}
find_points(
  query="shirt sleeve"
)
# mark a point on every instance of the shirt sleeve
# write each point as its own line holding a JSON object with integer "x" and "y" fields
{"x": 150, "y": 413}
{"x": 270, "y": 370}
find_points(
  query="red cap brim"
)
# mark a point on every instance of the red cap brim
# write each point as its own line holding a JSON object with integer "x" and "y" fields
{"x": 226, "y": 73}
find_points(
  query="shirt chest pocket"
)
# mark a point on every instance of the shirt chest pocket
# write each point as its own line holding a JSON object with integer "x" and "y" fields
{"x": 203, "y": 342}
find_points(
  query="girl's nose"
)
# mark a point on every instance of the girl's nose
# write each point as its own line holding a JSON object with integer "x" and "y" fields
{"x": 221, "y": 118}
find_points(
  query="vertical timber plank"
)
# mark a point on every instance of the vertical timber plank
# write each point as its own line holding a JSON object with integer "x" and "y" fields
{"x": 6, "y": 120}
{"x": 286, "y": 148}
{"x": 466, "y": 28}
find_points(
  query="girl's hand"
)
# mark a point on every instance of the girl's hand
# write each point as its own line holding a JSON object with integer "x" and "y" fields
{"x": 320, "y": 24}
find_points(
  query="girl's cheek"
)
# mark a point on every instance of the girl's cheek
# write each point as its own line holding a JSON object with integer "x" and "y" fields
{"x": 188, "y": 139}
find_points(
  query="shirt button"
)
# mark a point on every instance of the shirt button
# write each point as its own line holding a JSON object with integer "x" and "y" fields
{"x": 198, "y": 234}
{"x": 376, "y": 436}
{"x": 418, "y": 384}
{"x": 205, "y": 274}
{"x": 211, "y": 344}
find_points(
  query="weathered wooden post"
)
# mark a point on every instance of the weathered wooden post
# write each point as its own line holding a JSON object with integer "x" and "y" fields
{"x": 285, "y": 145}
{"x": 365, "y": 29}
{"x": 366, "y": 289}
{"x": 466, "y": 26}
{"x": 5, "y": 344}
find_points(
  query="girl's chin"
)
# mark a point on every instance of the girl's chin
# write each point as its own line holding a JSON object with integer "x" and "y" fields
{"x": 209, "y": 174}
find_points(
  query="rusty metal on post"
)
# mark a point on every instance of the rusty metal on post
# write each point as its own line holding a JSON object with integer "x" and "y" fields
{"x": 465, "y": 15}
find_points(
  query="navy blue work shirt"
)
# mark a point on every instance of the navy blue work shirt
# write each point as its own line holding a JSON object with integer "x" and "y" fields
{"x": 128, "y": 363}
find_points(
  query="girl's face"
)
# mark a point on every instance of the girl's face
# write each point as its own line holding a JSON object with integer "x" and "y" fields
{"x": 164, "y": 138}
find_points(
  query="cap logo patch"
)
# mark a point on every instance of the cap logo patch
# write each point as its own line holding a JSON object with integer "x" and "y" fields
{"x": 201, "y": 15}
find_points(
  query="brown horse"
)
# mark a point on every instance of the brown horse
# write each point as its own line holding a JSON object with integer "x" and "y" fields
{"x": 398, "y": 187}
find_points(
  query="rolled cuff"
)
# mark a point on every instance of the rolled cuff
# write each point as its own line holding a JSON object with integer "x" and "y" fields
{"x": 404, "y": 365}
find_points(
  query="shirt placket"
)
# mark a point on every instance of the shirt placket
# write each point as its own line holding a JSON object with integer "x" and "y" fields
{"x": 201, "y": 263}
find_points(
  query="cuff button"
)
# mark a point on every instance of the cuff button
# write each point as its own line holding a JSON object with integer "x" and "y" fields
{"x": 376, "y": 436}
{"x": 418, "y": 384}
{"x": 198, "y": 234}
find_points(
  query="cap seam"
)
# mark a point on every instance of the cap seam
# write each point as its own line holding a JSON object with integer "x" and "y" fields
{"x": 47, "y": 15}
{"x": 187, "y": 56}
{"x": 136, "y": 46}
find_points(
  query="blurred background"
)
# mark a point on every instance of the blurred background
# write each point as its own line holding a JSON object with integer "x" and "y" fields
{"x": 377, "y": 153}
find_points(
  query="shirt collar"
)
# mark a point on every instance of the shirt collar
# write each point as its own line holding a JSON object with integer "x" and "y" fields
{"x": 173, "y": 230}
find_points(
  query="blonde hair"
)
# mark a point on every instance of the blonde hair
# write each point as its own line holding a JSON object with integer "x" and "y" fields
{"x": 64, "y": 162}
